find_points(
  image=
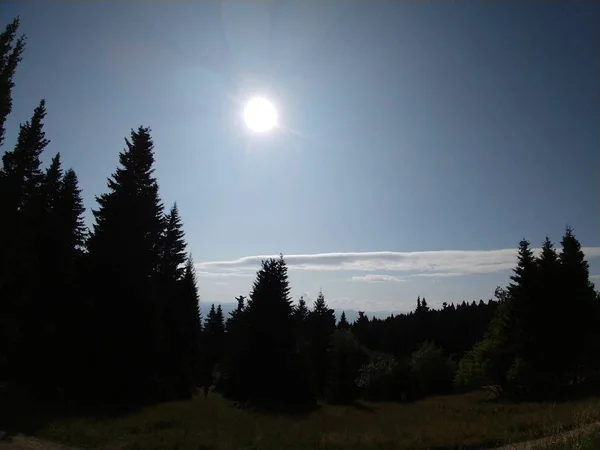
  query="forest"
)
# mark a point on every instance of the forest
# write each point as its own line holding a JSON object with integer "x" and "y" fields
{"x": 110, "y": 314}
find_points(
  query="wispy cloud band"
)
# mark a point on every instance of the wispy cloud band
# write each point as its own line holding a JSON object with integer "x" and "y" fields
{"x": 443, "y": 263}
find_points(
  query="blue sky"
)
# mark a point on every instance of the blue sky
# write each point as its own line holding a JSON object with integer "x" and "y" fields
{"x": 408, "y": 129}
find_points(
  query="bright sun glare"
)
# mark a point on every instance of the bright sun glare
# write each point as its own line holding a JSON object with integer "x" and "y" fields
{"x": 260, "y": 115}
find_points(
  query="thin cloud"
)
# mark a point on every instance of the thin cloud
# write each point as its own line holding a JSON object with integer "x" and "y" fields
{"x": 203, "y": 273}
{"x": 377, "y": 278}
{"x": 443, "y": 263}
{"x": 595, "y": 277}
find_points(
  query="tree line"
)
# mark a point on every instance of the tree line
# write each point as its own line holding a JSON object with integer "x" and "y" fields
{"x": 111, "y": 314}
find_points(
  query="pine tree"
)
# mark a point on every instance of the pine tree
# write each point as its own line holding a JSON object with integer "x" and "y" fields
{"x": 320, "y": 327}
{"x": 70, "y": 210}
{"x": 124, "y": 257}
{"x": 546, "y": 318}
{"x": 301, "y": 310}
{"x": 173, "y": 246}
{"x": 11, "y": 51}
{"x": 343, "y": 323}
{"x": 577, "y": 310}
{"x": 70, "y": 311}
{"x": 522, "y": 292}
{"x": 231, "y": 376}
{"x": 186, "y": 347}
{"x": 21, "y": 203}
{"x": 21, "y": 167}
{"x": 272, "y": 349}
{"x": 214, "y": 337}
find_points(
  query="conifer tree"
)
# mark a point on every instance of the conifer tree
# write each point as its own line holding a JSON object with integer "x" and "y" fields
{"x": 522, "y": 292}
{"x": 70, "y": 210}
{"x": 186, "y": 348}
{"x": 577, "y": 309}
{"x": 232, "y": 379}
{"x": 11, "y": 51}
{"x": 21, "y": 167}
{"x": 124, "y": 255}
{"x": 214, "y": 337}
{"x": 546, "y": 318}
{"x": 343, "y": 323}
{"x": 301, "y": 310}
{"x": 21, "y": 203}
{"x": 173, "y": 246}
{"x": 320, "y": 326}
{"x": 272, "y": 348}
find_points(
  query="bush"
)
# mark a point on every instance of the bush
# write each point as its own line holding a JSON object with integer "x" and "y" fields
{"x": 431, "y": 371}
{"x": 383, "y": 378}
{"x": 347, "y": 356}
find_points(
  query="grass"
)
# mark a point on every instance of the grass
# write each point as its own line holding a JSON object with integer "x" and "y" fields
{"x": 449, "y": 422}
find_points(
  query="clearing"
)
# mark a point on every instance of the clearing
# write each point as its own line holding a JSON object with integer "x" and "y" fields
{"x": 467, "y": 421}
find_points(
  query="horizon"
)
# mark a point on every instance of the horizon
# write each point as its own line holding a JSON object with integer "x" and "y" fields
{"x": 418, "y": 145}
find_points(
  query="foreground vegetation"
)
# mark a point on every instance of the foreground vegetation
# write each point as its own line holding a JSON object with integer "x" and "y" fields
{"x": 466, "y": 421}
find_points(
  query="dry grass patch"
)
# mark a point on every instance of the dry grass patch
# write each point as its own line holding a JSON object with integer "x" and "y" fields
{"x": 459, "y": 421}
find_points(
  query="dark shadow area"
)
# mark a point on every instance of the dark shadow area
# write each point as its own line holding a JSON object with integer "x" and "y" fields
{"x": 278, "y": 408}
{"x": 24, "y": 412}
{"x": 362, "y": 407}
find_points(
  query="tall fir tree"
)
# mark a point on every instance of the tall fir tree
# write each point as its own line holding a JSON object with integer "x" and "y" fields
{"x": 577, "y": 310}
{"x": 188, "y": 338}
{"x": 214, "y": 342}
{"x": 320, "y": 327}
{"x": 11, "y": 53}
{"x": 275, "y": 368}
{"x": 343, "y": 323}
{"x": 124, "y": 254}
{"x": 21, "y": 202}
{"x": 547, "y": 318}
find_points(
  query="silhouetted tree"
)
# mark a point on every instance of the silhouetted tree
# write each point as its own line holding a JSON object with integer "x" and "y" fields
{"x": 320, "y": 327}
{"x": 577, "y": 311}
{"x": 188, "y": 331}
{"x": 11, "y": 51}
{"x": 124, "y": 257}
{"x": 21, "y": 203}
{"x": 275, "y": 373}
{"x": 343, "y": 323}
{"x": 214, "y": 339}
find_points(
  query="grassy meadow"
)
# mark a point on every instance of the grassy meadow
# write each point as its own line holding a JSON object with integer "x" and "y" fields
{"x": 467, "y": 421}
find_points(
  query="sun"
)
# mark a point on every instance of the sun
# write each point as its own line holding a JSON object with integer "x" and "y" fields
{"x": 260, "y": 115}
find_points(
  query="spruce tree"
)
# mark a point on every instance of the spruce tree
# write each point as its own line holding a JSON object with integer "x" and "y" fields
{"x": 232, "y": 378}
{"x": 173, "y": 246}
{"x": 343, "y": 323}
{"x": 124, "y": 256}
{"x": 70, "y": 311}
{"x": 214, "y": 332}
{"x": 70, "y": 210}
{"x": 187, "y": 354}
{"x": 178, "y": 303}
{"x": 546, "y": 319}
{"x": 21, "y": 203}
{"x": 577, "y": 310}
{"x": 21, "y": 167}
{"x": 11, "y": 51}
{"x": 301, "y": 310}
{"x": 320, "y": 327}
{"x": 276, "y": 364}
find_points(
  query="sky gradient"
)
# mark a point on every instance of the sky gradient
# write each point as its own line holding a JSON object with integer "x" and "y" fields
{"x": 419, "y": 142}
